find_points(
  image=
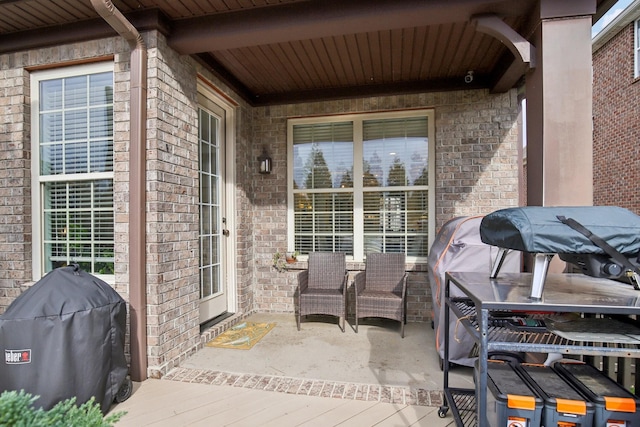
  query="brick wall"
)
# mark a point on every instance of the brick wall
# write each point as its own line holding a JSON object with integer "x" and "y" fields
{"x": 476, "y": 173}
{"x": 15, "y": 179}
{"x": 172, "y": 206}
{"x": 616, "y": 124}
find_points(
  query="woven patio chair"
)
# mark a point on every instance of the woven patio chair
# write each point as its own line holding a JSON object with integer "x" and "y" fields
{"x": 381, "y": 289}
{"x": 322, "y": 288}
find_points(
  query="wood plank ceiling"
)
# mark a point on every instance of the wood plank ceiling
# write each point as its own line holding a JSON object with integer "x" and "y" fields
{"x": 280, "y": 51}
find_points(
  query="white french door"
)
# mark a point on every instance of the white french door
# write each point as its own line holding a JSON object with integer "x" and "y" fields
{"x": 214, "y": 226}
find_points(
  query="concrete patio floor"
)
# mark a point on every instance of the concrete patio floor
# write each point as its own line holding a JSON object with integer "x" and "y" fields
{"x": 373, "y": 377}
{"x": 320, "y": 351}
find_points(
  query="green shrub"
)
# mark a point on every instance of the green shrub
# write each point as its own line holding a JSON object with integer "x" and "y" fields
{"x": 16, "y": 410}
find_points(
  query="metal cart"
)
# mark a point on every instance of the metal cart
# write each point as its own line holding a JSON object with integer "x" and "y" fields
{"x": 564, "y": 293}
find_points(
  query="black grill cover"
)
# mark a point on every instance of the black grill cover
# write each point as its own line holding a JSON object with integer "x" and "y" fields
{"x": 64, "y": 337}
{"x": 536, "y": 229}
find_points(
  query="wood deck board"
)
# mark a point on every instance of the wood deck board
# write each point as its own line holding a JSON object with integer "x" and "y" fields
{"x": 161, "y": 403}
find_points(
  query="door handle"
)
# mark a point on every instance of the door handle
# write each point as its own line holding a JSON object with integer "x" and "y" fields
{"x": 225, "y": 233}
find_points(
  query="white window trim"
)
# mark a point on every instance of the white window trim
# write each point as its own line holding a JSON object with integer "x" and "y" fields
{"x": 358, "y": 216}
{"x": 36, "y": 180}
{"x": 636, "y": 50}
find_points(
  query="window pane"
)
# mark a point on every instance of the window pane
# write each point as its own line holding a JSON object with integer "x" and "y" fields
{"x": 104, "y": 259}
{"x": 50, "y": 95}
{"x": 205, "y": 157}
{"x": 75, "y": 124}
{"x": 210, "y": 213}
{"x": 75, "y": 156}
{"x": 51, "y": 159}
{"x": 393, "y": 220}
{"x": 75, "y": 92}
{"x": 65, "y": 117}
{"x": 205, "y": 219}
{"x": 394, "y": 244}
{"x": 417, "y": 245}
{"x": 79, "y": 225}
{"x": 205, "y": 188}
{"x": 100, "y": 89}
{"x": 101, "y": 156}
{"x": 395, "y": 155}
{"x": 50, "y": 127}
{"x": 103, "y": 226}
{"x": 304, "y": 243}
{"x": 78, "y": 216}
{"x": 323, "y": 220}
{"x": 205, "y": 282}
{"x": 395, "y": 152}
{"x": 103, "y": 194}
{"x": 101, "y": 122}
{"x": 205, "y": 250}
{"x": 324, "y": 244}
{"x": 323, "y": 155}
{"x": 80, "y": 195}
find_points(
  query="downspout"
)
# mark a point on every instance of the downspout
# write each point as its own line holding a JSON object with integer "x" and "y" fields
{"x": 137, "y": 185}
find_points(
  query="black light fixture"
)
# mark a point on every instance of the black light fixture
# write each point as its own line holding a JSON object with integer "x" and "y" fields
{"x": 265, "y": 162}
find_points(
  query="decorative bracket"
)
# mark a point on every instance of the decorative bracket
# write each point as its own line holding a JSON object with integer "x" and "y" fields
{"x": 524, "y": 51}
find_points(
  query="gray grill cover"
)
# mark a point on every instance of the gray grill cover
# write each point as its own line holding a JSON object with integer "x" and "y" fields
{"x": 536, "y": 229}
{"x": 457, "y": 247}
{"x": 64, "y": 337}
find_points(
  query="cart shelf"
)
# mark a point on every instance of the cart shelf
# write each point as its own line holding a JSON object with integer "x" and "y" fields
{"x": 501, "y": 338}
{"x": 564, "y": 293}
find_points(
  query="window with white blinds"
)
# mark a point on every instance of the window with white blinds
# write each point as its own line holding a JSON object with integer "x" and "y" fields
{"x": 72, "y": 120}
{"x": 361, "y": 183}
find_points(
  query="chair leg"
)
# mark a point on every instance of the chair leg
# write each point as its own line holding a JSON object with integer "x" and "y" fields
{"x": 356, "y": 314}
{"x": 298, "y": 320}
{"x": 401, "y": 329}
{"x": 341, "y": 321}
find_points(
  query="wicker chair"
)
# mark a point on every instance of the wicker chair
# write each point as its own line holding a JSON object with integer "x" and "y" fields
{"x": 322, "y": 288}
{"x": 382, "y": 288}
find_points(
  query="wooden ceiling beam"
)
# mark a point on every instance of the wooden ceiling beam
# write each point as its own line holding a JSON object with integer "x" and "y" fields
{"x": 92, "y": 29}
{"x": 316, "y": 19}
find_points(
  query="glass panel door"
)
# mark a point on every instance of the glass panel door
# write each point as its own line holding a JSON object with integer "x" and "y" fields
{"x": 213, "y": 298}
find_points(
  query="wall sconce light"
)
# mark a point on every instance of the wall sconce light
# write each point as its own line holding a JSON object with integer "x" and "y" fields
{"x": 265, "y": 162}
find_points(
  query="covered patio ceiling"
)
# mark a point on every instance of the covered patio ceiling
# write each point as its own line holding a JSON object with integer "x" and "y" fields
{"x": 283, "y": 51}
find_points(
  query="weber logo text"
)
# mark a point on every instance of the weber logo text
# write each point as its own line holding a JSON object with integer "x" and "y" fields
{"x": 17, "y": 357}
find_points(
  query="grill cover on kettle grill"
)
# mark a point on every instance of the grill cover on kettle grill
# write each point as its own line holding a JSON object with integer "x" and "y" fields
{"x": 64, "y": 337}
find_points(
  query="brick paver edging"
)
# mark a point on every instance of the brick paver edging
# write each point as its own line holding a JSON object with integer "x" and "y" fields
{"x": 308, "y": 387}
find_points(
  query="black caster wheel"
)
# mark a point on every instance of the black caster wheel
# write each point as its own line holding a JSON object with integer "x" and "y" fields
{"x": 125, "y": 391}
{"x": 442, "y": 412}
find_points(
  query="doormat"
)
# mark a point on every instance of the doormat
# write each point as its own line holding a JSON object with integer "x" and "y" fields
{"x": 243, "y": 336}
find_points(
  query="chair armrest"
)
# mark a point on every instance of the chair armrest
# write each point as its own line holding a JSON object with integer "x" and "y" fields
{"x": 303, "y": 281}
{"x": 359, "y": 282}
